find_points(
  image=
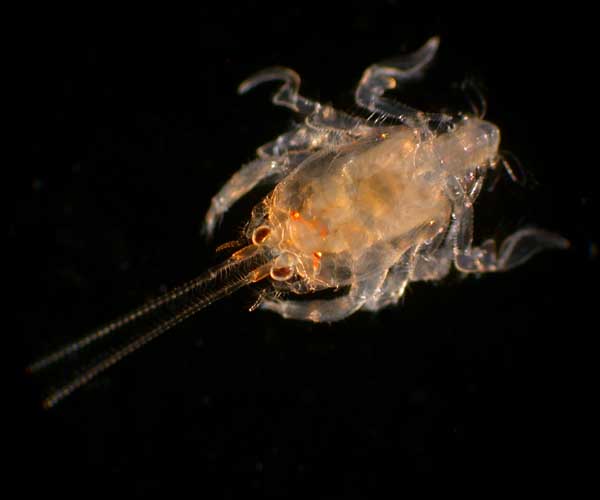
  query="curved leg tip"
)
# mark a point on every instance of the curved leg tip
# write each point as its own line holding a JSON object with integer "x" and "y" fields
{"x": 274, "y": 73}
{"x": 433, "y": 43}
{"x": 209, "y": 225}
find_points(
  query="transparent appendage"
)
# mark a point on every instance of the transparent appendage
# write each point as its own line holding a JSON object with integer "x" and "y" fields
{"x": 514, "y": 251}
{"x": 388, "y": 75}
{"x": 238, "y": 185}
{"x": 244, "y": 267}
{"x": 328, "y": 310}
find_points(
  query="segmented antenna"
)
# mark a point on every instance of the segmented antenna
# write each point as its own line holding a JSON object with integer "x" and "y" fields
{"x": 214, "y": 284}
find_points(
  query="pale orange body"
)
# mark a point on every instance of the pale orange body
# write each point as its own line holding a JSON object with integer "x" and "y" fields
{"x": 341, "y": 202}
{"x": 358, "y": 208}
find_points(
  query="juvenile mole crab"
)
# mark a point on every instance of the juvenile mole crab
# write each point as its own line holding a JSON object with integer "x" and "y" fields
{"x": 356, "y": 205}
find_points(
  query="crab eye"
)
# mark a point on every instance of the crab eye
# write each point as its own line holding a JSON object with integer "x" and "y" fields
{"x": 281, "y": 273}
{"x": 283, "y": 267}
{"x": 260, "y": 234}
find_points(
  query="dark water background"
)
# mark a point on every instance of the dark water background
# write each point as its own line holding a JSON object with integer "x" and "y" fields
{"x": 130, "y": 126}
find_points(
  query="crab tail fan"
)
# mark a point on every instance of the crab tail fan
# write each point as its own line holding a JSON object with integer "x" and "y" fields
{"x": 244, "y": 267}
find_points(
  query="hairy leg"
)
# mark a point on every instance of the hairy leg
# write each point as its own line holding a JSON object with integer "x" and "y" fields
{"x": 328, "y": 310}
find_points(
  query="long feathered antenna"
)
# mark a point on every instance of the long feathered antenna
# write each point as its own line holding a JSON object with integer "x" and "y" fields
{"x": 242, "y": 268}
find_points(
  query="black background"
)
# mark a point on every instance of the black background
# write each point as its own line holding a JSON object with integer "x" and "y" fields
{"x": 130, "y": 126}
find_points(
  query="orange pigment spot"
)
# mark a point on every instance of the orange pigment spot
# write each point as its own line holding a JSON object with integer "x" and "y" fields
{"x": 313, "y": 224}
{"x": 316, "y": 260}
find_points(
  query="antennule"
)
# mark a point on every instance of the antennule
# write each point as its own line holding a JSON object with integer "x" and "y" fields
{"x": 244, "y": 267}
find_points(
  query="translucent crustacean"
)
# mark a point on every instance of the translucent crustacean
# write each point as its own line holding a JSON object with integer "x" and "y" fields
{"x": 357, "y": 205}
